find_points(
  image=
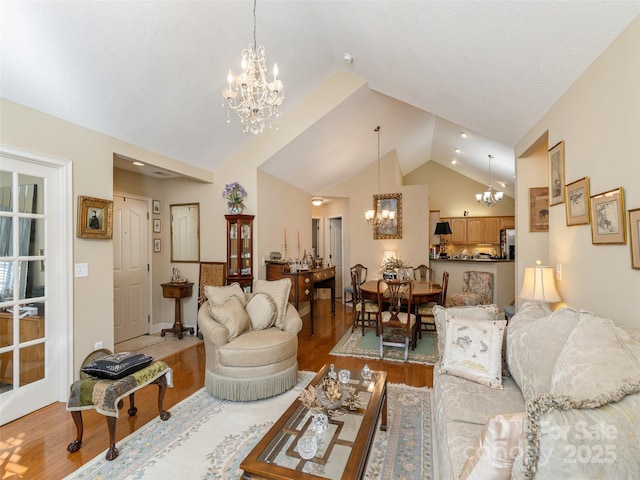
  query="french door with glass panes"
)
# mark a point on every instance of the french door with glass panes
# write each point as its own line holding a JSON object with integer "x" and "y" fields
{"x": 33, "y": 288}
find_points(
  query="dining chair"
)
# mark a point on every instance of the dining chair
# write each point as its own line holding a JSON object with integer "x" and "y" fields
{"x": 361, "y": 270}
{"x": 424, "y": 311}
{"x": 477, "y": 289}
{"x": 423, "y": 273}
{"x": 366, "y": 311}
{"x": 395, "y": 295}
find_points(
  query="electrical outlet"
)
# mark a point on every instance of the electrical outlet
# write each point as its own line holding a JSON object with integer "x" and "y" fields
{"x": 82, "y": 270}
{"x": 559, "y": 272}
{"x": 97, "y": 345}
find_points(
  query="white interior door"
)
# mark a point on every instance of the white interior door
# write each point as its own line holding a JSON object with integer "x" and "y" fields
{"x": 34, "y": 282}
{"x": 335, "y": 250}
{"x": 130, "y": 267}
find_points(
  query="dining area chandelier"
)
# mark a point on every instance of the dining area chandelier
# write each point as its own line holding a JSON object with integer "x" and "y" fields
{"x": 251, "y": 95}
{"x": 489, "y": 198}
{"x": 379, "y": 216}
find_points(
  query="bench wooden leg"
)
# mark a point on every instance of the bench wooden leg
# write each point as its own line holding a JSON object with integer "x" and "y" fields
{"x": 77, "y": 443}
{"x": 113, "y": 452}
{"x": 162, "y": 388}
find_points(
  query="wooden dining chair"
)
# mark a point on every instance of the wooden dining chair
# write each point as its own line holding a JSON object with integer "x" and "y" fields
{"x": 366, "y": 311}
{"x": 361, "y": 271}
{"x": 395, "y": 295}
{"x": 423, "y": 273}
{"x": 424, "y": 312}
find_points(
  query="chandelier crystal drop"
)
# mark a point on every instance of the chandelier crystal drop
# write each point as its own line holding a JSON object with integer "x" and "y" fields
{"x": 379, "y": 216}
{"x": 250, "y": 94}
{"x": 490, "y": 198}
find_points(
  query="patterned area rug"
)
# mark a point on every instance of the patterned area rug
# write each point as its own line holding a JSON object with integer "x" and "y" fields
{"x": 355, "y": 345}
{"x": 207, "y": 438}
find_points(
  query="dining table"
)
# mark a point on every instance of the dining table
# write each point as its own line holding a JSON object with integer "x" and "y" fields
{"x": 421, "y": 291}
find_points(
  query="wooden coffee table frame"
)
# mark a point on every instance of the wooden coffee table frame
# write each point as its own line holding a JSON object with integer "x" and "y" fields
{"x": 254, "y": 468}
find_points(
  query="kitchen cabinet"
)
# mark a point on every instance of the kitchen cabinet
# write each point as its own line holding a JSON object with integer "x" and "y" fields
{"x": 507, "y": 222}
{"x": 483, "y": 230}
{"x": 240, "y": 250}
{"x": 459, "y": 230}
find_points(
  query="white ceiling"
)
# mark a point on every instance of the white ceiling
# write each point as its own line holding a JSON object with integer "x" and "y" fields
{"x": 150, "y": 73}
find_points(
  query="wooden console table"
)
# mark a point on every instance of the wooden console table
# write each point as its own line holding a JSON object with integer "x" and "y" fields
{"x": 178, "y": 291}
{"x": 304, "y": 283}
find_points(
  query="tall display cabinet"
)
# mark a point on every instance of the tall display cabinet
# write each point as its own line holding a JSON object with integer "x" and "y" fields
{"x": 240, "y": 250}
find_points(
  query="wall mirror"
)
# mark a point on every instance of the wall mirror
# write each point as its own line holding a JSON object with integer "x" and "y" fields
{"x": 185, "y": 232}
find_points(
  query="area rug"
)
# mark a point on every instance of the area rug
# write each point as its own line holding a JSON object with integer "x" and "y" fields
{"x": 207, "y": 438}
{"x": 368, "y": 346}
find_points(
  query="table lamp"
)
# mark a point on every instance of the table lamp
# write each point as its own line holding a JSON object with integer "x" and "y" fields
{"x": 539, "y": 284}
{"x": 443, "y": 228}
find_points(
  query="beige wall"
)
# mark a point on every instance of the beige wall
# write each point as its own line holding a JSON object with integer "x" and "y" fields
{"x": 599, "y": 120}
{"x": 453, "y": 193}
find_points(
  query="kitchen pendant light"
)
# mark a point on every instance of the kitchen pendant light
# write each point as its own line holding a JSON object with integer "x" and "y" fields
{"x": 490, "y": 198}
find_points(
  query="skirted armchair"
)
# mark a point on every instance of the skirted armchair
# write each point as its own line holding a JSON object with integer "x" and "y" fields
{"x": 251, "y": 340}
{"x": 477, "y": 289}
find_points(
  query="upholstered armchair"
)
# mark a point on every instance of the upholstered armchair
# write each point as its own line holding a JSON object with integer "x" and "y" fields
{"x": 477, "y": 289}
{"x": 250, "y": 340}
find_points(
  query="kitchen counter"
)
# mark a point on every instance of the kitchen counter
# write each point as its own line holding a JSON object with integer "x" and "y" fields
{"x": 501, "y": 260}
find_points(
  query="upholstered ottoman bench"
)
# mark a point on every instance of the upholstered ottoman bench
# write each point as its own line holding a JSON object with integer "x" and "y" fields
{"x": 106, "y": 395}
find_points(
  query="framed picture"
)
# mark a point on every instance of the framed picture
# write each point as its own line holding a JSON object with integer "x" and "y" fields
{"x": 156, "y": 245}
{"x": 95, "y": 218}
{"x": 556, "y": 173}
{"x": 607, "y": 218}
{"x": 156, "y": 225}
{"x": 539, "y": 209}
{"x": 634, "y": 237}
{"x": 577, "y": 195}
{"x": 391, "y": 229}
{"x": 156, "y": 206}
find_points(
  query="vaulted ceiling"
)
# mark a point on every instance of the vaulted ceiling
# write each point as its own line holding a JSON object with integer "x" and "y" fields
{"x": 150, "y": 73}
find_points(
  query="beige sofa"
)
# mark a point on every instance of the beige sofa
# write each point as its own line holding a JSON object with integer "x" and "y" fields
{"x": 251, "y": 340}
{"x": 569, "y": 406}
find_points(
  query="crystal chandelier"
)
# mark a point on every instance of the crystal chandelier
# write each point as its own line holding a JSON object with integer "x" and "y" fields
{"x": 379, "y": 216}
{"x": 489, "y": 198}
{"x": 250, "y": 94}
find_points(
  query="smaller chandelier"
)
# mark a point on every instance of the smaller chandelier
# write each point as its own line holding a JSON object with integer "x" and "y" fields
{"x": 379, "y": 216}
{"x": 489, "y": 198}
{"x": 250, "y": 94}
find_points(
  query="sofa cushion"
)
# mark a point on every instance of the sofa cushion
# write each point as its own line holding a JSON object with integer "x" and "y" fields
{"x": 473, "y": 350}
{"x": 440, "y": 315}
{"x": 219, "y": 295}
{"x": 260, "y": 347}
{"x": 495, "y": 450}
{"x": 581, "y": 374}
{"x": 232, "y": 315}
{"x": 262, "y": 311}
{"x": 534, "y": 342}
{"x": 279, "y": 291}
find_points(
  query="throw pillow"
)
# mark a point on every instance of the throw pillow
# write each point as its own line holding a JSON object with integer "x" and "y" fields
{"x": 495, "y": 450}
{"x": 117, "y": 365}
{"x": 219, "y": 295}
{"x": 440, "y": 315}
{"x": 262, "y": 311}
{"x": 473, "y": 350}
{"x": 279, "y": 291}
{"x": 232, "y": 315}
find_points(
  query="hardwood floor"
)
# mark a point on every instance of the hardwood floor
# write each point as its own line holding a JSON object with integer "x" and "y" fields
{"x": 35, "y": 446}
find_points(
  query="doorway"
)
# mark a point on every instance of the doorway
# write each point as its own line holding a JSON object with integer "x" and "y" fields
{"x": 131, "y": 266}
{"x": 335, "y": 250}
{"x": 35, "y": 283}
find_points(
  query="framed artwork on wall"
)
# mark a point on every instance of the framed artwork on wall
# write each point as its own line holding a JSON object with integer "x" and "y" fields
{"x": 539, "y": 209}
{"x": 556, "y": 174}
{"x": 392, "y": 229}
{"x": 156, "y": 207}
{"x": 156, "y": 245}
{"x": 156, "y": 225}
{"x": 607, "y": 218}
{"x": 577, "y": 195}
{"x": 634, "y": 237}
{"x": 95, "y": 218}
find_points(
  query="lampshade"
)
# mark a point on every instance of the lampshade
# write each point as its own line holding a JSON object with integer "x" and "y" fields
{"x": 539, "y": 285}
{"x": 442, "y": 228}
{"x": 388, "y": 254}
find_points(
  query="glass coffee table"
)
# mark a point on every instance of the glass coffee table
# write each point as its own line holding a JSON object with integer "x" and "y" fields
{"x": 342, "y": 449}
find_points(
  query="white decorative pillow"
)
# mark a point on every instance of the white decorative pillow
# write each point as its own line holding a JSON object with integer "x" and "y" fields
{"x": 279, "y": 291}
{"x": 220, "y": 295}
{"x": 441, "y": 314}
{"x": 473, "y": 350}
{"x": 496, "y": 449}
{"x": 262, "y": 311}
{"x": 232, "y": 315}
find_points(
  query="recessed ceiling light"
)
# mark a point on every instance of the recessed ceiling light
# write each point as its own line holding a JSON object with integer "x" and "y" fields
{"x": 348, "y": 58}
{"x": 138, "y": 164}
{"x": 464, "y": 134}
{"x": 457, "y": 150}
{"x": 454, "y": 161}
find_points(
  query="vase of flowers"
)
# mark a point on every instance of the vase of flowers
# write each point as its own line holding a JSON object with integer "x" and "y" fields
{"x": 234, "y": 193}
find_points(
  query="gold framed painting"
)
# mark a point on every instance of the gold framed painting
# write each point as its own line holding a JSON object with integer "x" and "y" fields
{"x": 577, "y": 195}
{"x": 634, "y": 237}
{"x": 539, "y": 209}
{"x": 391, "y": 228}
{"x": 95, "y": 218}
{"x": 607, "y": 218}
{"x": 556, "y": 174}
